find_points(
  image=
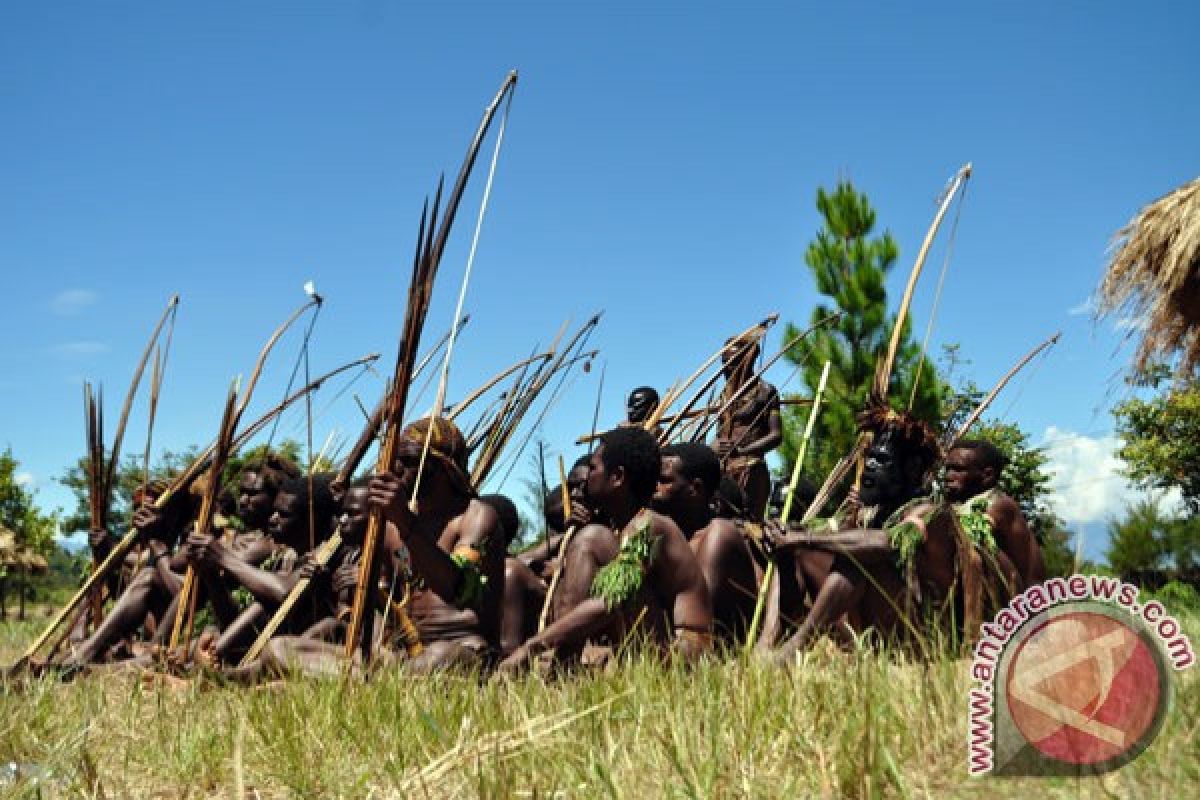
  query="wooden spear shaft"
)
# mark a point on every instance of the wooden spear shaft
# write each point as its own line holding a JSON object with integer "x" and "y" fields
{"x": 769, "y": 574}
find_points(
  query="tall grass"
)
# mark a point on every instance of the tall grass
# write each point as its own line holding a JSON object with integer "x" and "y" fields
{"x": 859, "y": 724}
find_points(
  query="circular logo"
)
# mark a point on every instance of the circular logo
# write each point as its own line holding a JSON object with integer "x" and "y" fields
{"x": 1087, "y": 688}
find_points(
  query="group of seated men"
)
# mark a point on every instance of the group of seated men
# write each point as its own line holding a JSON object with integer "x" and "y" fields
{"x": 657, "y": 545}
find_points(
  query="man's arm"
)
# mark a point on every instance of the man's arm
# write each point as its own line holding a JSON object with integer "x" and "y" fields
{"x": 1014, "y": 537}
{"x": 268, "y": 587}
{"x": 769, "y": 440}
{"x": 574, "y": 627}
{"x": 456, "y": 576}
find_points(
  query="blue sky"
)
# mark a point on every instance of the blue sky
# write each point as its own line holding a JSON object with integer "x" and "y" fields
{"x": 661, "y": 163}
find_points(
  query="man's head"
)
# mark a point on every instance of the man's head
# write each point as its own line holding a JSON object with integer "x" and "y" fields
{"x": 738, "y": 357}
{"x": 641, "y": 404}
{"x": 806, "y": 492}
{"x": 576, "y": 488}
{"x": 289, "y": 520}
{"x": 446, "y": 463}
{"x": 689, "y": 476}
{"x": 507, "y": 511}
{"x": 356, "y": 511}
{"x": 902, "y": 451}
{"x": 257, "y": 487}
{"x": 624, "y": 466}
{"x": 972, "y": 466}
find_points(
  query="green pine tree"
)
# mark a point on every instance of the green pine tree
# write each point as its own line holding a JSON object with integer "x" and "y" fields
{"x": 850, "y": 263}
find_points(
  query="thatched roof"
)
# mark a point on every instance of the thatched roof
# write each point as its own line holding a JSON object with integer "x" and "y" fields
{"x": 24, "y": 559}
{"x": 1154, "y": 277}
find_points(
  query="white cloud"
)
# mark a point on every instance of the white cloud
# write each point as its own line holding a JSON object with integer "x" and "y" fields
{"x": 81, "y": 349}
{"x": 1086, "y": 307}
{"x": 1087, "y": 478}
{"x": 73, "y": 301}
{"x": 24, "y": 479}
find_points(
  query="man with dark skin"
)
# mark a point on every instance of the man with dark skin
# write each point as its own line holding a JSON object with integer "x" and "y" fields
{"x": 973, "y": 469}
{"x": 542, "y": 557}
{"x": 452, "y": 543}
{"x": 152, "y": 588}
{"x": 652, "y": 577}
{"x": 750, "y": 427}
{"x": 320, "y": 645}
{"x": 920, "y": 559}
{"x": 687, "y": 483}
{"x": 568, "y": 566}
{"x": 221, "y": 568}
{"x": 641, "y": 403}
{"x": 901, "y": 453}
{"x": 155, "y": 586}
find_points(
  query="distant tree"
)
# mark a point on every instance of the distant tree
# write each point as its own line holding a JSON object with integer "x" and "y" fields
{"x": 130, "y": 476}
{"x": 849, "y": 263}
{"x": 1160, "y": 437}
{"x": 33, "y": 531}
{"x": 1136, "y": 543}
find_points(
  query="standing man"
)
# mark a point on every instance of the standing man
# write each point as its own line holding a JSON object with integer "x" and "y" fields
{"x": 750, "y": 427}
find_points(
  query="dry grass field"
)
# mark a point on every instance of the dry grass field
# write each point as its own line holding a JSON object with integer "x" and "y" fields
{"x": 861, "y": 724}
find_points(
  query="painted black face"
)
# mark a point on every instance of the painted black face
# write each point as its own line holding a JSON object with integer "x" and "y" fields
{"x": 883, "y": 477}
{"x": 641, "y": 404}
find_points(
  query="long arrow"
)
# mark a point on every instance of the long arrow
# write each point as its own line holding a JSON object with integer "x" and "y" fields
{"x": 425, "y": 265}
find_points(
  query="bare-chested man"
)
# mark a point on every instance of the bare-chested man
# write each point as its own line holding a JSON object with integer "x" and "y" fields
{"x": 973, "y": 468}
{"x": 154, "y": 587}
{"x": 221, "y": 568}
{"x": 650, "y": 574}
{"x": 751, "y": 427}
{"x": 917, "y": 562}
{"x": 452, "y": 546}
{"x": 687, "y": 485}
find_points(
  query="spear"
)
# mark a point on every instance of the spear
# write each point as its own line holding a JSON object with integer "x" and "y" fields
{"x": 548, "y": 603}
{"x": 431, "y": 241}
{"x": 465, "y": 403}
{"x": 974, "y": 416}
{"x": 221, "y": 452}
{"x": 126, "y": 543}
{"x": 596, "y": 411}
{"x": 769, "y": 575}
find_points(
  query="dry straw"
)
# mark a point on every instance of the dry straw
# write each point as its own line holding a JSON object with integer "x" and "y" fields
{"x": 1153, "y": 279}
